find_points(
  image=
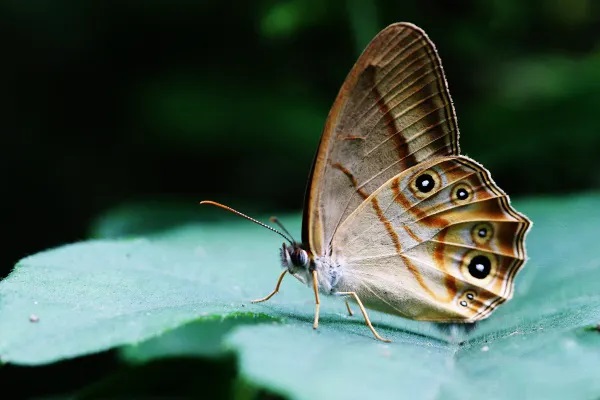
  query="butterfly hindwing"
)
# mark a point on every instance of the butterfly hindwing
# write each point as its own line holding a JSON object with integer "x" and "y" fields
{"x": 439, "y": 241}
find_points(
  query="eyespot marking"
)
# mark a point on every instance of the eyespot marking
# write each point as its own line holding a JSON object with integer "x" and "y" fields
{"x": 461, "y": 193}
{"x": 466, "y": 298}
{"x": 482, "y": 232}
{"x": 480, "y": 267}
{"x": 425, "y": 183}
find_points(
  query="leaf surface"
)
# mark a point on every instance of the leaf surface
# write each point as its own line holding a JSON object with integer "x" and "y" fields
{"x": 101, "y": 294}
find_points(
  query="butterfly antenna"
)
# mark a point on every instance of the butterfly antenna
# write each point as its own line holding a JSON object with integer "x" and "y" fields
{"x": 214, "y": 203}
{"x": 275, "y": 220}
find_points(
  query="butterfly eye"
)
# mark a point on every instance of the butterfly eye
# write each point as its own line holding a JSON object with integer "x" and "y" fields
{"x": 461, "y": 193}
{"x": 425, "y": 183}
{"x": 299, "y": 258}
{"x": 482, "y": 232}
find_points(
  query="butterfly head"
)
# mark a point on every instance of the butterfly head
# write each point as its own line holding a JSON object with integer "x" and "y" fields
{"x": 294, "y": 258}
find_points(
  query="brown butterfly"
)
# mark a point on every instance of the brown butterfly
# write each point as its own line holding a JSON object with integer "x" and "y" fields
{"x": 395, "y": 218}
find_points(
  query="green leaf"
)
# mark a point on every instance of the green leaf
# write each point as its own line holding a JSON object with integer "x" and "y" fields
{"x": 101, "y": 294}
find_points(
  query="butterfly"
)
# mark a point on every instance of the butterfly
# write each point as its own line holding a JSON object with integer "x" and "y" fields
{"x": 395, "y": 218}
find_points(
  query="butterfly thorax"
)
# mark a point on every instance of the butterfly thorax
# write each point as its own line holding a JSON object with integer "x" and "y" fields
{"x": 329, "y": 274}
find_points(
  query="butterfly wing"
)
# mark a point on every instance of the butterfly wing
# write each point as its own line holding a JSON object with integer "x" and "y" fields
{"x": 392, "y": 112}
{"x": 446, "y": 251}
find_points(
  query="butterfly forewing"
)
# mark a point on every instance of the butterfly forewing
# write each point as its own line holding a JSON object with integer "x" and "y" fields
{"x": 392, "y": 112}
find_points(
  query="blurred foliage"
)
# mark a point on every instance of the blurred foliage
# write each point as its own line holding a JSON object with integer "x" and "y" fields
{"x": 107, "y": 103}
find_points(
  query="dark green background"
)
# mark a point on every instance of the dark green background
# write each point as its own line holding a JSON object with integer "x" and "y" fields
{"x": 106, "y": 103}
{"x": 109, "y": 102}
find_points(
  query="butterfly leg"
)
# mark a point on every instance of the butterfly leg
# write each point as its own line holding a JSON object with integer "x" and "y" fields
{"x": 317, "y": 302}
{"x": 364, "y": 313}
{"x": 274, "y": 291}
{"x": 350, "y": 313}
